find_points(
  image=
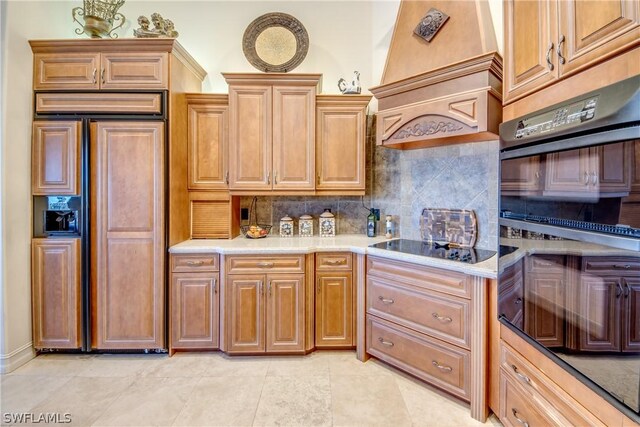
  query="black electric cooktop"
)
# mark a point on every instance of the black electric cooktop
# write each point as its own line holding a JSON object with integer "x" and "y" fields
{"x": 434, "y": 250}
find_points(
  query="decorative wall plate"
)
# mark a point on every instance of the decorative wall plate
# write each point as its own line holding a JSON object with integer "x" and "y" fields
{"x": 275, "y": 42}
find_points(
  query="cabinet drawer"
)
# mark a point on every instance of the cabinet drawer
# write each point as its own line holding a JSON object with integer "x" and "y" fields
{"x": 333, "y": 261}
{"x": 265, "y": 264}
{"x": 436, "y": 279}
{"x": 440, "y": 364}
{"x": 438, "y": 315}
{"x": 546, "y": 392}
{"x": 613, "y": 265}
{"x": 545, "y": 263}
{"x": 517, "y": 408}
{"x": 195, "y": 262}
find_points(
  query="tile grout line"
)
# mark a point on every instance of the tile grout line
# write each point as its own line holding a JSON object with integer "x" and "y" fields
{"x": 193, "y": 390}
{"x": 264, "y": 380}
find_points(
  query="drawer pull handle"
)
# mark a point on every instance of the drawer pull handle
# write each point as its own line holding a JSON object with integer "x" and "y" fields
{"x": 102, "y": 76}
{"x": 444, "y": 368}
{"x": 549, "y": 63}
{"x": 624, "y": 266}
{"x": 546, "y": 264}
{"x": 269, "y": 287}
{"x": 265, "y": 264}
{"x": 441, "y": 318}
{"x": 195, "y": 262}
{"x": 215, "y": 286}
{"x": 559, "y": 50}
{"x": 523, "y": 377}
{"x": 335, "y": 261}
{"x": 383, "y": 342}
{"x": 385, "y": 300}
{"x": 94, "y": 76}
{"x": 515, "y": 414}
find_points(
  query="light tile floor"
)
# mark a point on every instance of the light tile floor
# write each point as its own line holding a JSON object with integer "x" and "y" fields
{"x": 207, "y": 389}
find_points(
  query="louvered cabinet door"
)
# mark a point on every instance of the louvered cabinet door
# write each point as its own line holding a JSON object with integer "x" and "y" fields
{"x": 127, "y": 235}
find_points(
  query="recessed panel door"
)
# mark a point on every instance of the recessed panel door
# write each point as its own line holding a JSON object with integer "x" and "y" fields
{"x": 127, "y": 235}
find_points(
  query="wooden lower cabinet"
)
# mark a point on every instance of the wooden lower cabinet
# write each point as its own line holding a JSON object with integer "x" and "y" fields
{"x": 194, "y": 303}
{"x": 511, "y": 302}
{"x": 545, "y": 299}
{"x": 432, "y": 323}
{"x": 535, "y": 390}
{"x": 265, "y": 313}
{"x": 631, "y": 315}
{"x": 55, "y": 287}
{"x": 334, "y": 309}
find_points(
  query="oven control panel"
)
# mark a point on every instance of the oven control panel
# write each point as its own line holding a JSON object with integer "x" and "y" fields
{"x": 560, "y": 118}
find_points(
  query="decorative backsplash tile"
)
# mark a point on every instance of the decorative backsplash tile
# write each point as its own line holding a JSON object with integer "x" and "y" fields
{"x": 403, "y": 183}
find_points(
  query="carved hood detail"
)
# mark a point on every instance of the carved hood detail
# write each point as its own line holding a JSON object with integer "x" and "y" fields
{"x": 448, "y": 90}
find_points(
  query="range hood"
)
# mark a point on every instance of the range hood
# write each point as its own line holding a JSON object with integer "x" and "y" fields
{"x": 444, "y": 91}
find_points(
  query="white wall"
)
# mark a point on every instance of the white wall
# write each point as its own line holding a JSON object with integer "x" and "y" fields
{"x": 344, "y": 36}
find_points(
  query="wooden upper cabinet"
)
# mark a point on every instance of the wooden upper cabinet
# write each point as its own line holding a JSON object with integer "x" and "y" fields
{"x": 66, "y": 71}
{"x": 136, "y": 70}
{"x": 250, "y": 138}
{"x": 569, "y": 171}
{"x": 610, "y": 177}
{"x": 293, "y": 138}
{"x": 55, "y": 286}
{"x": 95, "y": 70}
{"x": 56, "y": 157}
{"x": 341, "y": 142}
{"x": 272, "y": 132}
{"x": 548, "y": 40}
{"x": 529, "y": 35}
{"x": 591, "y": 31}
{"x": 594, "y": 171}
{"x": 521, "y": 176}
{"x": 127, "y": 234}
{"x": 208, "y": 139}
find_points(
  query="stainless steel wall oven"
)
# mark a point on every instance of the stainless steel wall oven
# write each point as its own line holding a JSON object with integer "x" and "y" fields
{"x": 569, "y": 279}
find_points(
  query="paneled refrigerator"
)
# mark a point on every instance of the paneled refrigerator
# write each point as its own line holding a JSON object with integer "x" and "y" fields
{"x": 98, "y": 248}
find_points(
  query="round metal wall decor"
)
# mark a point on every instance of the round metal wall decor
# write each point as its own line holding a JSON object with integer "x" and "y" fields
{"x": 275, "y": 42}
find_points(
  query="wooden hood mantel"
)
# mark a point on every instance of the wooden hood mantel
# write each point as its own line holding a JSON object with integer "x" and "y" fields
{"x": 447, "y": 90}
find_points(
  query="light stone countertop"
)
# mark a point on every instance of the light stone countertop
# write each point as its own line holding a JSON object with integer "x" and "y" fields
{"x": 357, "y": 243}
{"x": 556, "y": 247}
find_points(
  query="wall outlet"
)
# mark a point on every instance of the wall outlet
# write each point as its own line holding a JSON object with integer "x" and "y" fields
{"x": 244, "y": 214}
{"x": 376, "y": 212}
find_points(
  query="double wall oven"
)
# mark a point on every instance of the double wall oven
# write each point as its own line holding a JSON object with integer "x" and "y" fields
{"x": 570, "y": 237}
